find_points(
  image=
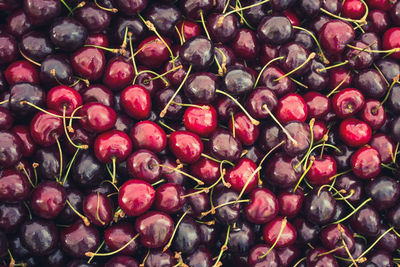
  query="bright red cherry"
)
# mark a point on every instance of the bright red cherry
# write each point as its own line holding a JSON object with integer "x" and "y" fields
{"x": 319, "y": 130}
{"x": 186, "y": 146}
{"x": 335, "y": 35}
{"x": 206, "y": 170}
{"x": 61, "y": 97}
{"x": 322, "y": 170}
{"x": 188, "y": 29}
{"x": 148, "y": 135}
{"x": 391, "y": 40}
{"x": 98, "y": 208}
{"x": 112, "y": 145}
{"x": 239, "y": 175}
{"x": 244, "y": 129}
{"x": 118, "y": 74}
{"x": 272, "y": 229}
{"x": 291, "y": 107}
{"x": 348, "y": 102}
{"x": 21, "y": 71}
{"x": 263, "y": 206}
{"x": 97, "y": 117}
{"x": 353, "y": 9}
{"x": 201, "y": 121}
{"x": 153, "y": 52}
{"x": 366, "y": 162}
{"x": 355, "y": 132}
{"x": 136, "y": 101}
{"x": 46, "y": 128}
{"x": 291, "y": 15}
{"x": 136, "y": 197}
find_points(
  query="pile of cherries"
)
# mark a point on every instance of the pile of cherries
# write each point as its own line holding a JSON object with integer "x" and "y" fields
{"x": 200, "y": 133}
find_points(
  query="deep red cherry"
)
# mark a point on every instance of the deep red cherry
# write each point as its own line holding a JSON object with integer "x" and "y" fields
{"x": 153, "y": 52}
{"x": 281, "y": 87}
{"x": 169, "y": 198}
{"x": 201, "y": 121}
{"x": 98, "y": 93}
{"x": 14, "y": 186}
{"x": 112, "y": 145}
{"x": 301, "y": 134}
{"x": 348, "y": 102}
{"x": 155, "y": 228}
{"x": 281, "y": 171}
{"x": 257, "y": 99}
{"x": 374, "y": 114}
{"x": 78, "y": 239}
{"x": 332, "y": 236}
{"x": 61, "y": 97}
{"x": 245, "y": 44}
{"x": 355, "y": 132}
{"x": 98, "y": 39}
{"x": 89, "y": 63}
{"x": 136, "y": 197}
{"x": 318, "y": 105}
{"x": 118, "y": 235}
{"x": 97, "y": 117}
{"x": 46, "y": 128}
{"x": 263, "y": 206}
{"x": 391, "y": 40}
{"x": 186, "y": 146}
{"x": 335, "y": 35}
{"x": 239, "y": 175}
{"x": 319, "y": 257}
{"x": 351, "y": 183}
{"x": 98, "y": 208}
{"x": 322, "y": 170}
{"x": 244, "y": 129}
{"x": 11, "y": 216}
{"x": 319, "y": 130}
{"x": 259, "y": 250}
{"x": 48, "y": 199}
{"x": 340, "y": 76}
{"x": 21, "y": 71}
{"x": 275, "y": 29}
{"x": 224, "y": 146}
{"x": 272, "y": 229}
{"x": 136, "y": 101}
{"x": 385, "y": 146}
{"x": 144, "y": 165}
{"x": 222, "y": 28}
{"x": 206, "y": 170}
{"x": 118, "y": 74}
{"x": 366, "y": 162}
{"x": 148, "y": 135}
{"x": 384, "y": 5}
{"x": 290, "y": 202}
{"x": 188, "y": 29}
{"x": 199, "y": 202}
{"x": 291, "y": 107}
{"x": 353, "y": 9}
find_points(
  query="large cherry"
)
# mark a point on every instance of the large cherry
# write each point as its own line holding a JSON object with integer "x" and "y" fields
{"x": 224, "y": 146}
{"x": 48, "y": 199}
{"x": 238, "y": 176}
{"x": 155, "y": 228}
{"x": 186, "y": 146}
{"x": 136, "y": 197}
{"x": 263, "y": 206}
{"x": 320, "y": 206}
{"x": 148, "y": 135}
{"x": 354, "y": 132}
{"x": 281, "y": 171}
{"x": 272, "y": 229}
{"x": 63, "y": 97}
{"x": 201, "y": 121}
{"x": 39, "y": 236}
{"x": 335, "y": 35}
{"x": 366, "y": 162}
{"x": 348, "y": 102}
{"x": 290, "y": 202}
{"x": 136, "y": 102}
{"x": 89, "y": 63}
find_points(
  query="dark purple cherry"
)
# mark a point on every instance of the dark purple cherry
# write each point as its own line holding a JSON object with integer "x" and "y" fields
{"x": 241, "y": 238}
{"x": 335, "y": 35}
{"x": 118, "y": 235}
{"x": 131, "y": 7}
{"x": 39, "y": 236}
{"x": 48, "y": 199}
{"x": 8, "y": 48}
{"x": 370, "y": 83}
{"x": 193, "y": 8}
{"x": 224, "y": 146}
{"x": 55, "y": 69}
{"x": 155, "y": 228}
{"x": 11, "y": 216}
{"x": 389, "y": 240}
{"x": 384, "y": 191}
{"x": 270, "y": 260}
{"x": 159, "y": 258}
{"x": 366, "y": 220}
{"x": 57, "y": 259}
{"x": 275, "y": 30}
{"x": 42, "y": 12}
{"x": 202, "y": 257}
{"x": 49, "y": 162}
{"x": 381, "y": 257}
{"x": 332, "y": 236}
{"x": 307, "y": 232}
{"x": 308, "y": 8}
{"x": 26, "y": 92}
{"x": 317, "y": 80}
{"x": 198, "y": 52}
{"x": 75, "y": 198}
{"x": 300, "y": 132}
{"x": 281, "y": 171}
{"x": 164, "y": 17}
{"x": 98, "y": 208}
{"x": 161, "y": 99}
{"x": 315, "y": 260}
{"x": 358, "y": 59}
{"x": 319, "y": 206}
{"x": 352, "y": 186}
{"x": 93, "y": 18}
{"x": 144, "y": 165}
{"x": 281, "y": 87}
{"x": 36, "y": 45}
{"x": 68, "y": 34}
{"x": 228, "y": 213}
{"x": 133, "y": 24}
{"x": 17, "y": 23}
{"x": 11, "y": 149}
{"x": 187, "y": 236}
{"x": 200, "y": 87}
{"x": 294, "y": 56}
{"x": 222, "y": 28}
{"x": 238, "y": 81}
{"x": 98, "y": 93}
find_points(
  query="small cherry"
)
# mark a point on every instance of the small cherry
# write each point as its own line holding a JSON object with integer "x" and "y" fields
{"x": 136, "y": 197}
{"x": 319, "y": 205}
{"x": 319, "y": 130}
{"x": 243, "y": 129}
{"x": 118, "y": 74}
{"x": 281, "y": 171}
{"x": 186, "y": 146}
{"x": 318, "y": 105}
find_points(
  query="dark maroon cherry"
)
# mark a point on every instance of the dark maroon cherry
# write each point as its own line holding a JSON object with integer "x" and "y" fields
{"x": 155, "y": 229}
{"x": 332, "y": 236}
{"x": 11, "y": 216}
{"x": 200, "y": 87}
{"x": 49, "y": 162}
{"x": 222, "y": 28}
{"x": 112, "y": 145}
{"x": 335, "y": 35}
{"x": 17, "y": 23}
{"x": 164, "y": 17}
{"x": 272, "y": 229}
{"x": 120, "y": 234}
{"x": 275, "y": 29}
{"x": 158, "y": 258}
{"x": 281, "y": 87}
{"x": 370, "y": 83}
{"x": 301, "y": 135}
{"x": 98, "y": 93}
{"x": 389, "y": 240}
{"x": 75, "y": 198}
{"x": 136, "y": 197}
{"x": 307, "y": 232}
{"x": 241, "y": 238}
{"x": 295, "y": 56}
{"x": 21, "y": 71}
{"x": 42, "y": 12}
{"x": 281, "y": 171}
{"x": 384, "y": 191}
{"x": 39, "y": 236}
{"x": 224, "y": 146}
{"x": 89, "y": 63}
{"x": 98, "y": 208}
{"x": 314, "y": 259}
{"x": 92, "y": 17}
{"x": 144, "y": 165}
{"x": 290, "y": 202}
{"x": 131, "y": 7}
{"x": 319, "y": 206}
{"x": 133, "y": 24}
{"x": 238, "y": 81}
{"x": 263, "y": 206}
{"x": 366, "y": 220}
{"x": 168, "y": 172}
{"x": 198, "y": 52}
{"x": 187, "y": 236}
{"x": 136, "y": 102}
{"x": 200, "y": 257}
{"x": 318, "y": 105}
{"x": 163, "y": 96}
{"x": 55, "y": 69}
{"x": 271, "y": 259}
{"x": 26, "y": 92}
{"x": 36, "y": 45}
{"x": 48, "y": 199}
{"x": 245, "y": 44}
{"x": 358, "y": 59}
{"x": 353, "y": 186}
{"x": 228, "y": 213}
{"x": 385, "y": 146}
{"x": 121, "y": 261}
{"x": 118, "y": 73}
{"x": 8, "y": 48}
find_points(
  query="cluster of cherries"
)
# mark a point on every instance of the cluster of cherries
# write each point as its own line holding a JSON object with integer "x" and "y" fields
{"x": 200, "y": 133}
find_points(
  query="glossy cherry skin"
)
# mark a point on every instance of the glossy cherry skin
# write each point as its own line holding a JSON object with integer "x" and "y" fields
{"x": 148, "y": 135}
{"x": 201, "y": 121}
{"x": 155, "y": 228}
{"x": 301, "y": 133}
{"x": 75, "y": 198}
{"x": 257, "y": 99}
{"x": 187, "y": 236}
{"x": 238, "y": 81}
{"x": 93, "y": 17}
{"x": 15, "y": 186}
{"x": 290, "y": 202}
{"x": 319, "y": 206}
{"x": 259, "y": 250}
{"x": 48, "y": 199}
{"x": 348, "y": 102}
{"x": 136, "y": 197}
{"x": 25, "y": 92}
{"x": 98, "y": 208}
{"x": 97, "y": 117}
{"x": 198, "y": 52}
{"x": 42, "y": 12}
{"x": 385, "y": 146}
{"x": 291, "y": 107}
{"x": 322, "y": 170}
{"x": 112, "y": 144}
{"x": 319, "y": 130}
{"x": 353, "y": 9}
{"x": 314, "y": 260}
{"x": 338, "y": 76}
{"x": 245, "y": 130}
{"x": 366, "y": 220}
{"x": 198, "y": 203}
{"x": 394, "y": 216}
{"x": 275, "y": 29}
{"x": 144, "y": 165}
{"x": 263, "y": 207}
{"x": 118, "y": 235}
{"x": 98, "y": 93}
{"x": 78, "y": 239}
{"x": 384, "y": 192}
{"x": 239, "y": 175}
{"x": 169, "y": 164}
{"x": 17, "y": 23}
{"x": 200, "y": 87}
{"x": 390, "y": 40}
{"x": 131, "y": 7}
{"x": 307, "y": 232}
{"x": 222, "y": 28}
{"x": 39, "y": 236}
{"x": 21, "y": 71}
{"x": 158, "y": 258}
{"x": 374, "y": 114}
{"x": 318, "y": 105}
{"x": 136, "y": 102}
{"x": 89, "y": 63}
{"x": 335, "y": 35}
{"x": 355, "y": 132}
{"x": 61, "y": 97}
{"x": 201, "y": 257}
{"x": 60, "y": 34}
{"x": 366, "y": 162}
{"x": 186, "y": 146}
{"x": 153, "y": 52}
{"x": 11, "y": 149}
{"x": 162, "y": 97}
{"x": 9, "y": 49}
{"x": 206, "y": 170}
{"x": 332, "y": 235}
{"x": 11, "y": 216}
{"x": 228, "y": 213}
{"x": 272, "y": 229}
{"x": 281, "y": 87}
{"x": 169, "y": 198}
{"x": 118, "y": 74}
{"x": 241, "y": 239}
{"x": 281, "y": 171}
{"x": 164, "y": 17}
{"x": 245, "y": 44}
{"x": 36, "y": 45}
{"x": 223, "y": 145}
{"x": 352, "y": 185}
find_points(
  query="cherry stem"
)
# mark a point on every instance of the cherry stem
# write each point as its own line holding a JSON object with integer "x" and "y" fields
{"x": 395, "y": 80}
{"x": 354, "y": 211}
{"x": 165, "y": 73}
{"x": 197, "y": 180}
{"x": 91, "y": 254}
{"x": 234, "y": 202}
{"x": 332, "y": 66}
{"x": 132, "y": 54}
{"x": 67, "y": 134}
{"x": 321, "y": 53}
{"x": 242, "y": 18}
{"x": 214, "y": 159}
{"x": 81, "y": 4}
{"x": 113, "y": 10}
{"x": 164, "y": 111}
{"x": 299, "y": 261}
{"x": 221, "y": 67}
{"x": 345, "y": 197}
{"x": 5, "y": 101}
{"x": 263, "y": 68}
{"x": 154, "y": 73}
{"x": 204, "y": 24}
{"x": 237, "y": 9}
{"x": 97, "y": 210}
{"x": 362, "y": 21}
{"x": 61, "y": 159}
{"x": 114, "y": 162}
{"x": 338, "y": 86}
{"x": 312, "y": 121}
{"x": 298, "y": 83}
{"x": 253, "y": 121}
{"x": 47, "y": 112}
{"x": 345, "y": 245}
{"x": 247, "y": 184}
{"x": 85, "y": 219}
{"x": 30, "y": 60}
{"x": 329, "y": 252}
{"x": 209, "y": 223}
{"x": 166, "y": 126}
{"x": 265, "y": 106}
{"x": 20, "y": 166}
{"x": 380, "y": 72}
{"x": 145, "y": 258}
{"x": 97, "y": 250}
{"x": 317, "y": 146}
{"x": 34, "y": 166}
{"x": 224, "y": 248}
{"x": 226, "y": 6}
{"x": 175, "y": 229}
{"x": 158, "y": 182}
{"x": 66, "y": 5}
{"x": 69, "y": 127}
{"x": 283, "y": 226}
{"x": 179, "y": 35}
{"x": 233, "y": 125}
{"x": 70, "y": 165}
{"x": 112, "y": 50}
{"x": 310, "y": 57}
{"x": 303, "y": 175}
{"x": 203, "y": 107}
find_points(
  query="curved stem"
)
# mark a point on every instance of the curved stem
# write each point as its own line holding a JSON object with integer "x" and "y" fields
{"x": 176, "y": 228}
{"x": 310, "y": 57}
{"x": 91, "y": 254}
{"x": 85, "y": 220}
{"x": 283, "y": 226}
{"x": 197, "y": 180}
{"x": 223, "y": 248}
{"x": 338, "y": 86}
{"x": 70, "y": 165}
{"x": 321, "y": 53}
{"x": 354, "y": 211}
{"x": 263, "y": 68}
{"x": 113, "y": 10}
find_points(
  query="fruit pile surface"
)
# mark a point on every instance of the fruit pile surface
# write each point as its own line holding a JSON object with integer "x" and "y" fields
{"x": 199, "y": 133}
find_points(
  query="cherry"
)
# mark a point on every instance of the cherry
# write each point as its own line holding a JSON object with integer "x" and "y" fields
{"x": 78, "y": 239}
{"x": 357, "y": 57}
{"x": 98, "y": 209}
{"x": 89, "y": 63}
{"x": 168, "y": 171}
{"x": 136, "y": 197}
{"x": 222, "y": 28}
{"x": 348, "y": 102}
{"x": 15, "y": 186}
{"x": 9, "y": 49}
{"x": 118, "y": 235}
{"x": 307, "y": 232}
{"x": 158, "y": 258}
{"x": 335, "y": 35}
{"x": 279, "y": 233}
{"x": 318, "y": 105}
{"x": 206, "y": 170}
{"x": 98, "y": 93}
{"x": 21, "y": 71}
{"x": 300, "y": 138}
{"x": 39, "y": 236}
{"x": 17, "y": 23}
{"x": 280, "y": 87}
{"x": 136, "y": 102}
{"x": 112, "y": 146}
{"x": 201, "y": 121}
{"x": 163, "y": 96}
{"x": 245, "y": 44}
{"x": 291, "y": 107}
{"x": 271, "y": 259}
{"x": 164, "y": 17}
{"x": 395, "y": 14}
{"x": 366, "y": 162}
{"x": 117, "y": 261}
{"x": 390, "y": 41}
{"x": 118, "y": 73}
{"x": 290, "y": 202}
{"x": 333, "y": 237}
{"x": 322, "y": 170}
{"x": 269, "y": 136}
{"x": 275, "y": 29}
{"x": 55, "y": 69}
{"x": 200, "y": 87}
{"x": 11, "y": 216}
{"x": 63, "y": 99}
{"x": 239, "y": 175}
{"x": 366, "y": 221}
{"x": 36, "y": 45}
{"x": 353, "y": 186}
{"x": 153, "y": 52}
{"x": 384, "y": 192}
{"x": 93, "y": 17}
{"x": 168, "y": 198}
{"x": 75, "y": 198}
{"x": 385, "y": 146}
{"x": 319, "y": 206}
{"x": 224, "y": 146}
{"x": 393, "y": 216}
{"x": 97, "y": 117}
{"x": 186, "y": 146}
{"x": 131, "y": 7}
{"x": 87, "y": 170}
{"x": 60, "y": 34}
{"x": 353, "y": 9}
{"x": 319, "y": 130}
{"x": 187, "y": 236}
{"x": 49, "y": 162}
{"x": 148, "y": 135}
{"x": 226, "y": 213}
{"x": 244, "y": 129}
{"x": 377, "y": 21}
{"x": 281, "y": 171}
{"x": 155, "y": 228}
{"x": 144, "y": 165}
{"x": 295, "y": 58}
{"x": 198, "y": 52}
{"x": 354, "y": 132}
{"x": 201, "y": 256}
{"x": 241, "y": 239}
{"x": 41, "y": 12}
{"x": 319, "y": 257}
{"x": 25, "y": 92}
{"x": 374, "y": 114}
{"x": 48, "y": 199}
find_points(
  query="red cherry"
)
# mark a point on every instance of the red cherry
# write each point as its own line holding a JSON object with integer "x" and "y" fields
{"x": 374, "y": 114}
{"x": 21, "y": 71}
{"x": 272, "y": 230}
{"x": 148, "y": 135}
{"x": 89, "y": 63}
{"x": 294, "y": 19}
{"x": 23, "y": 133}
{"x": 136, "y": 197}
{"x": 335, "y": 35}
{"x": 112, "y": 145}
{"x": 245, "y": 130}
{"x": 263, "y": 206}
{"x": 98, "y": 39}
{"x": 97, "y": 117}
{"x": 61, "y": 97}
{"x": 169, "y": 198}
{"x": 355, "y": 132}
{"x": 206, "y": 170}
{"x": 348, "y": 102}
{"x": 153, "y": 52}
{"x": 391, "y": 40}
{"x": 117, "y": 235}
{"x": 319, "y": 130}
{"x": 155, "y": 229}
{"x": 291, "y": 107}
{"x": 144, "y": 165}
{"x": 186, "y": 146}
{"x": 385, "y": 146}
{"x": 238, "y": 176}
{"x": 366, "y": 162}
{"x": 290, "y": 203}
{"x": 48, "y": 199}
{"x": 318, "y": 105}
{"x": 322, "y": 170}
{"x": 118, "y": 74}
{"x": 98, "y": 208}
{"x": 188, "y": 28}
{"x": 340, "y": 75}
{"x": 136, "y": 102}
{"x": 201, "y": 121}
{"x": 14, "y": 186}
{"x": 46, "y": 128}
{"x": 353, "y": 9}
{"x": 385, "y": 5}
